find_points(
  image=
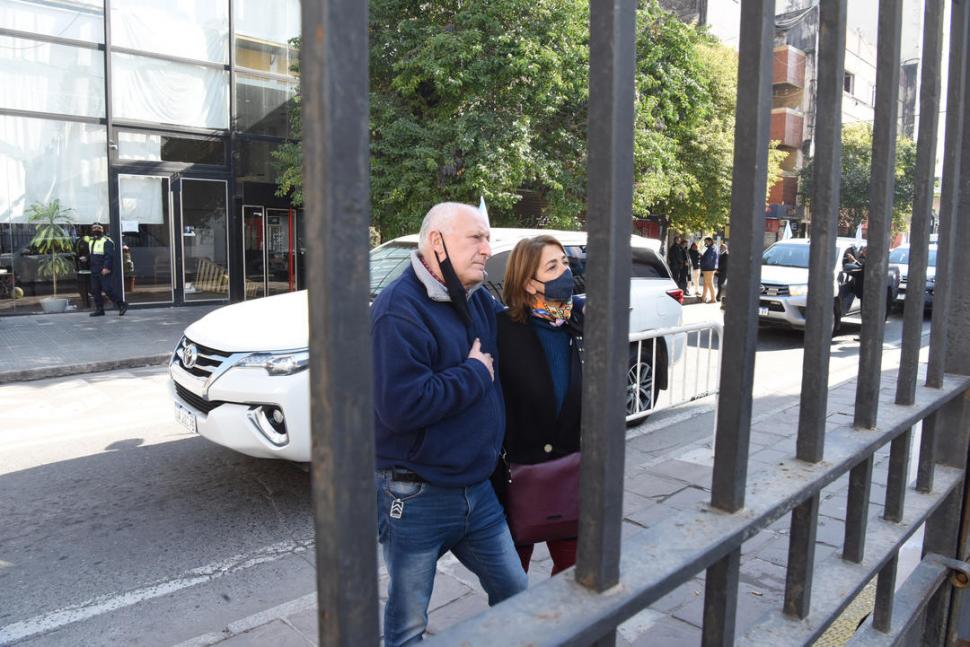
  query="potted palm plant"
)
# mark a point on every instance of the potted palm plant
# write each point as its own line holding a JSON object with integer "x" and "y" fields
{"x": 52, "y": 240}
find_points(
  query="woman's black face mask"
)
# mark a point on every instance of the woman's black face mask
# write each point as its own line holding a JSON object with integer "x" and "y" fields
{"x": 559, "y": 288}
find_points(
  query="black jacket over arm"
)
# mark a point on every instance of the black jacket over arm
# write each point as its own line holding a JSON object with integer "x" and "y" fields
{"x": 531, "y": 423}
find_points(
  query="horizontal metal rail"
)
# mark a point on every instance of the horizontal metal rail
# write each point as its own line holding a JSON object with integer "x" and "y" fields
{"x": 658, "y": 559}
{"x": 678, "y": 358}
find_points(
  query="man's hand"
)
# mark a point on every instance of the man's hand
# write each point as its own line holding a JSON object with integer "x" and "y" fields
{"x": 105, "y": 272}
{"x": 484, "y": 358}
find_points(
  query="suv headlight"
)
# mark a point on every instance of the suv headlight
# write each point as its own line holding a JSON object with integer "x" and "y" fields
{"x": 278, "y": 363}
{"x": 797, "y": 290}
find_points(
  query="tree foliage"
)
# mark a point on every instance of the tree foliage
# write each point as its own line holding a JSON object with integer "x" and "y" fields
{"x": 490, "y": 99}
{"x": 856, "y": 185}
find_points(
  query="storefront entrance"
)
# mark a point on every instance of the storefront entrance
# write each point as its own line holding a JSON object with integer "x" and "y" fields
{"x": 174, "y": 237}
{"x": 269, "y": 250}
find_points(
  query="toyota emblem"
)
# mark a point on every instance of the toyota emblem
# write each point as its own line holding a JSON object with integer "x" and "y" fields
{"x": 190, "y": 355}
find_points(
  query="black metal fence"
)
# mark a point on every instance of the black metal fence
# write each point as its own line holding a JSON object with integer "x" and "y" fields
{"x": 609, "y": 585}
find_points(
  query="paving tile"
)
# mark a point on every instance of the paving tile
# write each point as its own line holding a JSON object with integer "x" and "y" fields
{"x": 669, "y": 632}
{"x": 654, "y": 486}
{"x": 453, "y": 613}
{"x": 276, "y": 633}
{"x": 682, "y": 471}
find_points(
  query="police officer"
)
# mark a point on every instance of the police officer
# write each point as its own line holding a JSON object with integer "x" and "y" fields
{"x": 102, "y": 264}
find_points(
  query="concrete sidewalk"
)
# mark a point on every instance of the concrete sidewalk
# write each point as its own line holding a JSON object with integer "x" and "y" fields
{"x": 34, "y": 347}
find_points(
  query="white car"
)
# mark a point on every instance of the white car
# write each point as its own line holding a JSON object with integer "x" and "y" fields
{"x": 900, "y": 258}
{"x": 784, "y": 284}
{"x": 239, "y": 374}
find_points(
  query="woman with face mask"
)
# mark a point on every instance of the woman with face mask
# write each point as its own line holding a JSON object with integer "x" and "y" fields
{"x": 539, "y": 345}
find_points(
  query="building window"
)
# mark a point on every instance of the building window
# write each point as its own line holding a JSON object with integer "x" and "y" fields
{"x": 152, "y": 90}
{"x": 51, "y": 78}
{"x": 150, "y": 147}
{"x": 42, "y": 160}
{"x": 263, "y": 105}
{"x": 74, "y": 19}
{"x": 196, "y": 29}
{"x": 848, "y": 83}
{"x": 263, "y": 32}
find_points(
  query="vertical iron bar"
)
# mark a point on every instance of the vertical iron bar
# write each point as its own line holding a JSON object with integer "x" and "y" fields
{"x": 801, "y": 558}
{"x": 749, "y": 186}
{"x": 927, "y": 454}
{"x": 882, "y": 614}
{"x": 951, "y": 188}
{"x": 810, "y": 445}
{"x": 336, "y": 179}
{"x": 857, "y": 511}
{"x": 922, "y": 201}
{"x": 880, "y": 213}
{"x": 898, "y": 476}
{"x": 721, "y": 601}
{"x": 609, "y": 204}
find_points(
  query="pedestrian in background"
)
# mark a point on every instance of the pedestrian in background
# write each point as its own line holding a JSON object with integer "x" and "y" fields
{"x": 102, "y": 268}
{"x": 539, "y": 342}
{"x": 695, "y": 268}
{"x": 708, "y": 267}
{"x": 677, "y": 259}
{"x": 722, "y": 271}
{"x": 439, "y": 422}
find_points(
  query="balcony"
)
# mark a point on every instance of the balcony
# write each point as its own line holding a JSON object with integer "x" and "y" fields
{"x": 785, "y": 191}
{"x": 789, "y": 67}
{"x": 787, "y": 126}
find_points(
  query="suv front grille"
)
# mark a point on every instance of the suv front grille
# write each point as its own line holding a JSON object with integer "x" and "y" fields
{"x": 196, "y": 402}
{"x": 773, "y": 290}
{"x": 207, "y": 360}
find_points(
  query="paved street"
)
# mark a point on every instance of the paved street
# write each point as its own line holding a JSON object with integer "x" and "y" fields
{"x": 120, "y": 528}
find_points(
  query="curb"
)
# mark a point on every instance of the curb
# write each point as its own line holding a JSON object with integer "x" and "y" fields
{"x": 31, "y": 374}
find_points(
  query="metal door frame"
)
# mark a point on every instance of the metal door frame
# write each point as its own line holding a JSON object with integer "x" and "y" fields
{"x": 197, "y": 178}
{"x": 116, "y": 173}
{"x": 262, "y": 209}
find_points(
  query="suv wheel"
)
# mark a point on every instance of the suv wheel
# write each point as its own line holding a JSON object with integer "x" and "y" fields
{"x": 641, "y": 388}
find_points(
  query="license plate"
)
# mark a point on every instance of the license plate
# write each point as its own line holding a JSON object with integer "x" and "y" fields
{"x": 762, "y": 312}
{"x": 185, "y": 418}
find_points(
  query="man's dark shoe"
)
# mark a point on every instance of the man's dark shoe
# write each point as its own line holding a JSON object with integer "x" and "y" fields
{"x": 97, "y": 313}
{"x": 122, "y": 308}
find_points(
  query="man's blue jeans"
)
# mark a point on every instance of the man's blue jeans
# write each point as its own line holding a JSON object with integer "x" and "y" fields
{"x": 425, "y": 523}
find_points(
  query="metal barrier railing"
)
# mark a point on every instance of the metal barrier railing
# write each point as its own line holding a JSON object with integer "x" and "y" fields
{"x": 585, "y": 605}
{"x": 691, "y": 370}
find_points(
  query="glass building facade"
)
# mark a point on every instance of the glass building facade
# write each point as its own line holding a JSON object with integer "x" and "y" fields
{"x": 158, "y": 119}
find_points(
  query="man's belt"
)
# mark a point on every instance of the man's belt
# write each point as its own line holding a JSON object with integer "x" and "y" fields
{"x": 406, "y": 476}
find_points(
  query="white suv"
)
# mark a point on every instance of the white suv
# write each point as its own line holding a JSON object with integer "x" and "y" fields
{"x": 900, "y": 258}
{"x": 784, "y": 284}
{"x": 239, "y": 378}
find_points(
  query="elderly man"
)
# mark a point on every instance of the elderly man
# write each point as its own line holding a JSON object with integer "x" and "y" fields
{"x": 440, "y": 421}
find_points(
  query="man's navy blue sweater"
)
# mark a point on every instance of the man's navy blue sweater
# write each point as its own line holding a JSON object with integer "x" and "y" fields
{"x": 438, "y": 413}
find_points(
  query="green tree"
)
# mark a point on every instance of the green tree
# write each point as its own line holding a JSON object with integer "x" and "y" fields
{"x": 856, "y": 185}
{"x": 490, "y": 98}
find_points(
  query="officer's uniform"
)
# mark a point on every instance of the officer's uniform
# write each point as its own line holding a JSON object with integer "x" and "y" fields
{"x": 102, "y": 257}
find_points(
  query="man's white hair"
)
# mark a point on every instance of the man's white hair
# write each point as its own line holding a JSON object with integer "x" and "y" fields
{"x": 441, "y": 218}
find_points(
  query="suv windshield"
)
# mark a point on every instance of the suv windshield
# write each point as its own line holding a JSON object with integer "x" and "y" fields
{"x": 387, "y": 263}
{"x": 900, "y": 255}
{"x": 786, "y": 255}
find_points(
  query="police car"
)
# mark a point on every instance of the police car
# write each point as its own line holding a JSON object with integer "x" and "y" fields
{"x": 239, "y": 378}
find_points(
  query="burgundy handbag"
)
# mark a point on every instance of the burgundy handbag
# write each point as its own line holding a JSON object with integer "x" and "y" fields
{"x": 542, "y": 500}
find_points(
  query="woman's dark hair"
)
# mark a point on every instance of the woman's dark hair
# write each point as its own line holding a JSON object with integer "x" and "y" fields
{"x": 522, "y": 266}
